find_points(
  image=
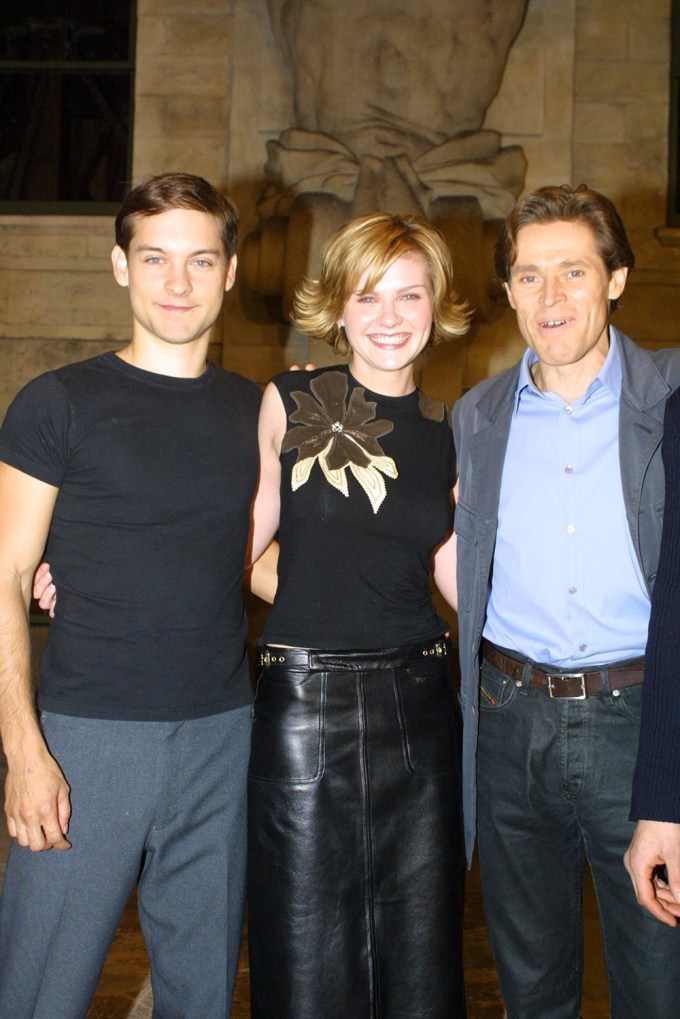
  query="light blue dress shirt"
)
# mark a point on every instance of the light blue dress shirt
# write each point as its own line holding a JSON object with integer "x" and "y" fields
{"x": 567, "y": 587}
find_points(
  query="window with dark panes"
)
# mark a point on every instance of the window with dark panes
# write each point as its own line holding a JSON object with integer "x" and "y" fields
{"x": 66, "y": 94}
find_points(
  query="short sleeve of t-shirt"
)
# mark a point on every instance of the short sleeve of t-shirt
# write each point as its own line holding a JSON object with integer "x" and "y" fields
{"x": 35, "y": 434}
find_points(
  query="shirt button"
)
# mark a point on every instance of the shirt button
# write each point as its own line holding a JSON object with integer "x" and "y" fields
{"x": 571, "y": 529}
{"x": 568, "y": 410}
{"x": 572, "y": 590}
{"x": 568, "y": 470}
{"x": 583, "y": 647}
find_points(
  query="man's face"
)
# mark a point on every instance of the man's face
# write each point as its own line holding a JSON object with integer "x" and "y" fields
{"x": 560, "y": 288}
{"x": 177, "y": 272}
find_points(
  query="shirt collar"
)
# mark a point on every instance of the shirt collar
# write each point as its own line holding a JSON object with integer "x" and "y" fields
{"x": 610, "y": 375}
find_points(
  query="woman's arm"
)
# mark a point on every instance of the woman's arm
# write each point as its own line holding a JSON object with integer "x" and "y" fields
{"x": 267, "y": 503}
{"x": 445, "y": 565}
{"x": 262, "y": 577}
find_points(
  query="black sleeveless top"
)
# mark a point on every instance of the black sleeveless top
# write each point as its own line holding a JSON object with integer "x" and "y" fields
{"x": 365, "y": 500}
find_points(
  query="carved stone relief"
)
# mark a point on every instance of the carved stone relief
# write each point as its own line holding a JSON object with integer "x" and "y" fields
{"x": 389, "y": 105}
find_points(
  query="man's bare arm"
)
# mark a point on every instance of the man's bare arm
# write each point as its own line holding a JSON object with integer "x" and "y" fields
{"x": 36, "y": 793}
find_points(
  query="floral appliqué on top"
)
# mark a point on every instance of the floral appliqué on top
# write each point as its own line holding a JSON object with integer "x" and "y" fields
{"x": 339, "y": 434}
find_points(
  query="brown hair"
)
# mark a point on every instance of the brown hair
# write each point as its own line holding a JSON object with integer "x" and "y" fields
{"x": 177, "y": 191}
{"x": 576, "y": 205}
{"x": 372, "y": 243}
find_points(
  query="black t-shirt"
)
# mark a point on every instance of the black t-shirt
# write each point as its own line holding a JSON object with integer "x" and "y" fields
{"x": 148, "y": 537}
{"x": 365, "y": 499}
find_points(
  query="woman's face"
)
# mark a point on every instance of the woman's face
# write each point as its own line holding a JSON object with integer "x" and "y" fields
{"x": 389, "y": 326}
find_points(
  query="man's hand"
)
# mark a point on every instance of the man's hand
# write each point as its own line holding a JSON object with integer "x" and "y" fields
{"x": 656, "y": 844}
{"x": 44, "y": 591}
{"x": 37, "y": 804}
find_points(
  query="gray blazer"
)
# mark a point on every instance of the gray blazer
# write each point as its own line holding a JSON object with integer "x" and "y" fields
{"x": 481, "y": 425}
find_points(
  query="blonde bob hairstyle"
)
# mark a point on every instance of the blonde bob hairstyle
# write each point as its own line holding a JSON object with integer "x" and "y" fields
{"x": 372, "y": 243}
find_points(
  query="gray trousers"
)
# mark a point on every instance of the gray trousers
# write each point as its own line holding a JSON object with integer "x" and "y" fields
{"x": 157, "y": 804}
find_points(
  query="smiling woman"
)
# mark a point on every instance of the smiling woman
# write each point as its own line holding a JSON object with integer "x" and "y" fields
{"x": 390, "y": 324}
{"x": 355, "y": 852}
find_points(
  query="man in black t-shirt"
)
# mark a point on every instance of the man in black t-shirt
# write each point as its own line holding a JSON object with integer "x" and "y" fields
{"x": 137, "y": 470}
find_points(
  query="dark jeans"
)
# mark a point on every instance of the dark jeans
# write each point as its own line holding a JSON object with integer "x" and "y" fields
{"x": 554, "y": 784}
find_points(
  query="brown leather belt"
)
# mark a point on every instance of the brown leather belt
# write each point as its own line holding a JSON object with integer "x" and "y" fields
{"x": 562, "y": 684}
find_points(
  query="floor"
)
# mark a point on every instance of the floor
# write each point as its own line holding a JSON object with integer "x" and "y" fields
{"x": 123, "y": 991}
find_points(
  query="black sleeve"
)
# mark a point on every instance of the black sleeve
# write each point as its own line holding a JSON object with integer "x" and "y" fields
{"x": 656, "y": 785}
{"x": 36, "y": 432}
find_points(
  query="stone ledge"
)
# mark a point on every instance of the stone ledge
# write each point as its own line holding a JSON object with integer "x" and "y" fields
{"x": 651, "y": 276}
{"x": 66, "y": 224}
{"x": 668, "y": 236}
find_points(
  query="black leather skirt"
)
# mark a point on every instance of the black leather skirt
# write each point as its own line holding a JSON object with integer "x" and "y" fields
{"x": 355, "y": 865}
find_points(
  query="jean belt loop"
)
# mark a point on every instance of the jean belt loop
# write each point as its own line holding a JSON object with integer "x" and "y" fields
{"x": 526, "y": 674}
{"x": 606, "y": 685}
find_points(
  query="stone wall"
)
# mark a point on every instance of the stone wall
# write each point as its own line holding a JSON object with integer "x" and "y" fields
{"x": 621, "y": 79}
{"x": 183, "y": 87}
{"x": 58, "y": 302}
{"x": 585, "y": 93}
{"x": 601, "y": 81}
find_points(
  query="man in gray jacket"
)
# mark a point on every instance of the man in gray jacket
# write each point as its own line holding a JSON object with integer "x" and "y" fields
{"x": 558, "y": 524}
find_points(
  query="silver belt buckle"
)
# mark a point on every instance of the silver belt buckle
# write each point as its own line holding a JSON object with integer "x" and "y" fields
{"x": 567, "y": 675}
